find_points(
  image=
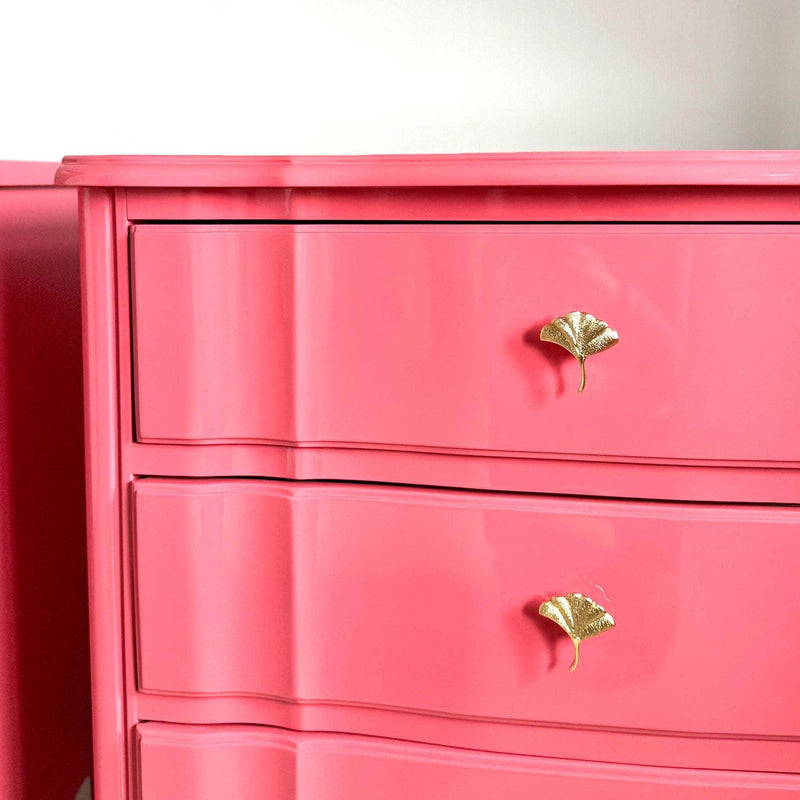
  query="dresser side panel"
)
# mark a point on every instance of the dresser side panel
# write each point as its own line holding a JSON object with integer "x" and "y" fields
{"x": 96, "y": 213}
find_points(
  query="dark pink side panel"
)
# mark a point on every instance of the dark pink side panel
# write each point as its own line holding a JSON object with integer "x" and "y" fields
{"x": 195, "y": 763}
{"x": 45, "y": 721}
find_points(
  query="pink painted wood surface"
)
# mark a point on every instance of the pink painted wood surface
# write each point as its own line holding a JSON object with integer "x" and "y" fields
{"x": 110, "y": 731}
{"x": 426, "y": 601}
{"x": 45, "y": 720}
{"x": 701, "y": 168}
{"x": 634, "y": 746}
{"x": 745, "y": 187}
{"x": 259, "y": 764}
{"x": 427, "y": 337}
{"x": 26, "y": 174}
{"x": 609, "y": 745}
{"x": 478, "y": 204}
{"x": 204, "y": 304}
{"x": 668, "y": 480}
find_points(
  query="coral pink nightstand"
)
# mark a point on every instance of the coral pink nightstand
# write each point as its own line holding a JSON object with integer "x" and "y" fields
{"x": 45, "y": 719}
{"x": 344, "y": 493}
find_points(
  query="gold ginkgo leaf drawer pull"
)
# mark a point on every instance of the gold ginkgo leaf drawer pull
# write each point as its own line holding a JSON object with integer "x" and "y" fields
{"x": 582, "y": 335}
{"x": 579, "y": 616}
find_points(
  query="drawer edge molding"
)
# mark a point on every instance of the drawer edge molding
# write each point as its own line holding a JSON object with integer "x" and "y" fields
{"x": 626, "y": 746}
{"x": 176, "y": 760}
{"x": 764, "y": 483}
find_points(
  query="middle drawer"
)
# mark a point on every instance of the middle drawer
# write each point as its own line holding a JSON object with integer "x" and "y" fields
{"x": 375, "y": 599}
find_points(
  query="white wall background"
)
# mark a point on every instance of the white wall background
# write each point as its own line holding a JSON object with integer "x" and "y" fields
{"x": 371, "y": 76}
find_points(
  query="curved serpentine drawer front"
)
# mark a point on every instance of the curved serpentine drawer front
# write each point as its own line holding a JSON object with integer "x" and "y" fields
{"x": 427, "y": 336}
{"x": 426, "y": 602}
{"x": 248, "y": 763}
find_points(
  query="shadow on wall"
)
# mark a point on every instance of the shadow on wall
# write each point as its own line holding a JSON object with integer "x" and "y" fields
{"x": 45, "y": 720}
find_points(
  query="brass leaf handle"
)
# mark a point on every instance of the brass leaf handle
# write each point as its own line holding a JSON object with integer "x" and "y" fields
{"x": 579, "y": 616}
{"x": 582, "y": 334}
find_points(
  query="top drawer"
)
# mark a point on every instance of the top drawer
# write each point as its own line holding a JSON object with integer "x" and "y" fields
{"x": 412, "y": 336}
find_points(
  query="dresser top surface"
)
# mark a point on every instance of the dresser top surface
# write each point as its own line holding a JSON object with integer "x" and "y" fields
{"x": 22, "y": 174}
{"x": 628, "y": 168}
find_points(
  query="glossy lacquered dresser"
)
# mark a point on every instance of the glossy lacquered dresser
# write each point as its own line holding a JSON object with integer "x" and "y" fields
{"x": 443, "y": 477}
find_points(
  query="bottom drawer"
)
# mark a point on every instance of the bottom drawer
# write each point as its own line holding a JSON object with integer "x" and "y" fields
{"x": 252, "y": 763}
